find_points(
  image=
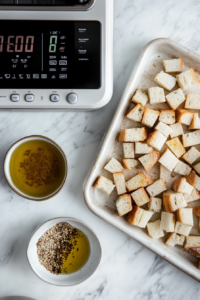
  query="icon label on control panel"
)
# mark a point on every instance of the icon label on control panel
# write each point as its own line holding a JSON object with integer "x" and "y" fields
{"x": 53, "y": 62}
{"x": 43, "y": 76}
{"x": 62, "y": 62}
{"x": 7, "y": 76}
{"x": 62, "y": 76}
{"x": 36, "y": 76}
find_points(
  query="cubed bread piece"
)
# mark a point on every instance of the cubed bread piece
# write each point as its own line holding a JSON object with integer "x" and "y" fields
{"x": 193, "y": 179}
{"x": 139, "y": 216}
{"x": 149, "y": 117}
{"x": 184, "y": 116}
{"x": 165, "y": 174}
{"x": 133, "y": 135}
{"x": 165, "y": 80}
{"x": 191, "y": 155}
{"x": 168, "y": 160}
{"x": 177, "y": 130}
{"x": 167, "y": 221}
{"x": 182, "y": 168}
{"x": 124, "y": 204}
{"x": 140, "y": 97}
{"x": 149, "y": 160}
{"x": 138, "y": 181}
{"x": 128, "y": 149}
{"x": 174, "y": 99}
{"x": 192, "y": 241}
{"x": 173, "y": 65}
{"x": 176, "y": 147}
{"x": 156, "y": 140}
{"x": 187, "y": 79}
{"x": 155, "y": 204}
{"x": 180, "y": 185}
{"x": 173, "y": 201}
{"x": 192, "y": 101}
{"x": 167, "y": 116}
{"x": 156, "y": 95}
{"x": 191, "y": 138}
{"x": 163, "y": 128}
{"x": 197, "y": 168}
{"x": 104, "y": 184}
{"x": 140, "y": 197}
{"x": 113, "y": 166}
{"x": 195, "y": 124}
{"x": 142, "y": 148}
{"x": 119, "y": 181}
{"x": 196, "y": 211}
{"x": 136, "y": 113}
{"x": 185, "y": 216}
{"x": 175, "y": 239}
{"x": 154, "y": 230}
{"x": 182, "y": 229}
{"x": 195, "y": 195}
{"x": 180, "y": 239}
{"x": 129, "y": 163}
{"x": 156, "y": 188}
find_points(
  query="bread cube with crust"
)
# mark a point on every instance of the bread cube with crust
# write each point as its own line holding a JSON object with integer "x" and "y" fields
{"x": 195, "y": 124}
{"x": 154, "y": 230}
{"x": 155, "y": 204}
{"x": 124, "y": 204}
{"x": 128, "y": 149}
{"x": 138, "y": 181}
{"x": 173, "y": 201}
{"x": 180, "y": 185}
{"x": 165, "y": 80}
{"x": 149, "y": 160}
{"x": 150, "y": 116}
{"x": 191, "y": 138}
{"x": 196, "y": 210}
{"x": 184, "y": 116}
{"x": 176, "y": 147}
{"x": 192, "y": 101}
{"x": 136, "y": 113}
{"x": 193, "y": 179}
{"x": 129, "y": 163}
{"x": 194, "y": 196}
{"x": 187, "y": 79}
{"x": 192, "y": 242}
{"x": 142, "y": 148}
{"x": 185, "y": 216}
{"x": 174, "y": 99}
{"x": 165, "y": 174}
{"x": 182, "y": 229}
{"x": 156, "y": 188}
{"x": 113, "y": 166}
{"x": 167, "y": 221}
{"x": 175, "y": 239}
{"x": 197, "y": 168}
{"x": 133, "y": 135}
{"x": 167, "y": 116}
{"x": 168, "y": 160}
{"x": 173, "y": 65}
{"x": 139, "y": 217}
{"x": 104, "y": 184}
{"x": 140, "y": 98}
{"x": 191, "y": 155}
{"x": 182, "y": 168}
{"x": 156, "y": 140}
{"x": 156, "y": 95}
{"x": 119, "y": 181}
{"x": 177, "y": 130}
{"x": 140, "y": 197}
{"x": 163, "y": 128}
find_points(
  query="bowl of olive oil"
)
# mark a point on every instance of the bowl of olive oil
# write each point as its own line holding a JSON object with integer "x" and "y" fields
{"x": 64, "y": 251}
{"x": 36, "y": 168}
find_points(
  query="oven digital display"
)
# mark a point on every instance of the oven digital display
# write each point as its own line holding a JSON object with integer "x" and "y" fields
{"x": 50, "y": 54}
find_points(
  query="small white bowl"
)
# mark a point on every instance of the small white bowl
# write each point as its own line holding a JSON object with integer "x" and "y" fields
{"x": 69, "y": 279}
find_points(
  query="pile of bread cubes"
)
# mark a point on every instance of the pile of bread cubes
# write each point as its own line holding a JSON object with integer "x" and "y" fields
{"x": 176, "y": 218}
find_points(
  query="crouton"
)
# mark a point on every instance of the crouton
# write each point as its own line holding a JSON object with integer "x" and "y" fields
{"x": 124, "y": 204}
{"x": 176, "y": 147}
{"x": 180, "y": 185}
{"x": 164, "y": 129}
{"x": 192, "y": 101}
{"x": 119, "y": 181}
{"x": 191, "y": 138}
{"x": 149, "y": 160}
{"x": 184, "y": 116}
{"x": 155, "y": 204}
{"x": 168, "y": 160}
{"x": 196, "y": 211}
{"x": 136, "y": 113}
{"x": 195, "y": 195}
{"x": 167, "y": 221}
{"x": 173, "y": 201}
{"x": 156, "y": 95}
{"x": 177, "y": 130}
{"x": 165, "y": 80}
{"x": 133, "y": 135}
{"x": 128, "y": 149}
{"x": 165, "y": 174}
{"x": 193, "y": 179}
{"x": 182, "y": 168}
{"x": 113, "y": 166}
{"x": 104, "y": 184}
{"x": 173, "y": 65}
{"x": 174, "y": 99}
{"x": 187, "y": 79}
{"x": 167, "y": 116}
{"x": 192, "y": 241}
{"x": 195, "y": 124}
{"x": 182, "y": 229}
{"x": 175, "y": 239}
{"x": 129, "y": 163}
{"x": 191, "y": 155}
{"x": 149, "y": 117}
{"x": 154, "y": 230}
{"x": 156, "y": 188}
{"x": 142, "y": 148}
{"x": 140, "y": 98}
{"x": 139, "y": 216}
{"x": 138, "y": 181}
{"x": 197, "y": 168}
{"x": 140, "y": 197}
{"x": 156, "y": 140}
{"x": 185, "y": 216}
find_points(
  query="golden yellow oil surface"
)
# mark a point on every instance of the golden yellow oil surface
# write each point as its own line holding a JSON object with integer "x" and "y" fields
{"x": 37, "y": 168}
{"x": 79, "y": 254}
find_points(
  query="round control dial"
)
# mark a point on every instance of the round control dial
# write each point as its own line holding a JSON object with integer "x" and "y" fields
{"x": 72, "y": 98}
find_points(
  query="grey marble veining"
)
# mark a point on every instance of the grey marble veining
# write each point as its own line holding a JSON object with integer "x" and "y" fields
{"x": 127, "y": 270}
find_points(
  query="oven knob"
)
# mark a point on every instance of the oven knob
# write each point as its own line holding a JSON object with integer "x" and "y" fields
{"x": 72, "y": 98}
{"x": 14, "y": 97}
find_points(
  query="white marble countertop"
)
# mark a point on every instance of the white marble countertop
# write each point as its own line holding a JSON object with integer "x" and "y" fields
{"x": 127, "y": 270}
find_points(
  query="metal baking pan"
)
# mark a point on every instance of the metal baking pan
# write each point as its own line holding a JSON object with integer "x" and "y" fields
{"x": 147, "y": 66}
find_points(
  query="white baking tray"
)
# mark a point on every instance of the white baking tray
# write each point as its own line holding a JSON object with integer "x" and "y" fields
{"x": 147, "y": 66}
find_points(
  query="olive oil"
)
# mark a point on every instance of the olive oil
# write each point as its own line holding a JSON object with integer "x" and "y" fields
{"x": 79, "y": 254}
{"x": 37, "y": 168}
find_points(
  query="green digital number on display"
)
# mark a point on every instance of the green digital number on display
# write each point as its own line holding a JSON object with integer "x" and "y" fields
{"x": 53, "y": 43}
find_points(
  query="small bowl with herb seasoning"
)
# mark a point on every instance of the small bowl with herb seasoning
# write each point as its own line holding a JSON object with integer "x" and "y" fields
{"x": 36, "y": 168}
{"x": 64, "y": 251}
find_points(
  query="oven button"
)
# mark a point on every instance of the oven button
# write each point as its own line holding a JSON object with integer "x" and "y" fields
{"x": 15, "y": 97}
{"x": 72, "y": 98}
{"x": 29, "y": 97}
{"x": 54, "y": 98}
